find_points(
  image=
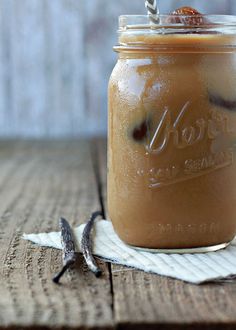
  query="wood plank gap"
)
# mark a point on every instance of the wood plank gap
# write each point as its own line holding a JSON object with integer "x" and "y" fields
{"x": 95, "y": 162}
{"x": 94, "y": 147}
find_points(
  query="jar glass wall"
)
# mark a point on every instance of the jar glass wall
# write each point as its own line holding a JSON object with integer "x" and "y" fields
{"x": 172, "y": 134}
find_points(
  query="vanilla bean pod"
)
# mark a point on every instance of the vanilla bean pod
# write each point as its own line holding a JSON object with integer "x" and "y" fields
{"x": 68, "y": 246}
{"x": 86, "y": 245}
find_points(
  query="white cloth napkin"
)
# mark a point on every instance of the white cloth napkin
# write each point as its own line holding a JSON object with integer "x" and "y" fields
{"x": 193, "y": 268}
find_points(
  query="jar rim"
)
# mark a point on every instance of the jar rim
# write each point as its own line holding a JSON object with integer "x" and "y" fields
{"x": 219, "y": 23}
{"x": 198, "y": 33}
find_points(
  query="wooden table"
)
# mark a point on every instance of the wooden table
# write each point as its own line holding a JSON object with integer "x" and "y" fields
{"x": 41, "y": 181}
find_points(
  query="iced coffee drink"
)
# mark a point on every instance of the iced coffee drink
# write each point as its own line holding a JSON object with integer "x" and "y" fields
{"x": 172, "y": 133}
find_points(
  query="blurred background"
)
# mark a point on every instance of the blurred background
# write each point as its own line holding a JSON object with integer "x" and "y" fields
{"x": 55, "y": 60}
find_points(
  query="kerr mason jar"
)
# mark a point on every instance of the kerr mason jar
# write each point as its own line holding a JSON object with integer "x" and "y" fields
{"x": 172, "y": 134}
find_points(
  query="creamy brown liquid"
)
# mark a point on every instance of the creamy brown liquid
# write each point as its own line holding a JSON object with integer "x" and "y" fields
{"x": 172, "y": 130}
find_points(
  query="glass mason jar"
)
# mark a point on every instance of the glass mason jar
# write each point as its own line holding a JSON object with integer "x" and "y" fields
{"x": 172, "y": 134}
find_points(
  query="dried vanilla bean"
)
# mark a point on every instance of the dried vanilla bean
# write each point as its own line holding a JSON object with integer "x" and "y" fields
{"x": 68, "y": 246}
{"x": 86, "y": 245}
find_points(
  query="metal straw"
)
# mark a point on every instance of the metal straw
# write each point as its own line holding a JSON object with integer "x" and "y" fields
{"x": 153, "y": 11}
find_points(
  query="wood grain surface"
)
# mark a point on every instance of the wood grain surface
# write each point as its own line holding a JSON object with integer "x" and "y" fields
{"x": 41, "y": 181}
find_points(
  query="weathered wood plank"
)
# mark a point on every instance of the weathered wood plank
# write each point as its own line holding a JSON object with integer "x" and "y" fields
{"x": 56, "y": 58}
{"x": 64, "y": 68}
{"x": 232, "y": 7}
{"x": 42, "y": 68}
{"x": 40, "y": 182}
{"x": 147, "y": 301}
{"x": 6, "y": 117}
